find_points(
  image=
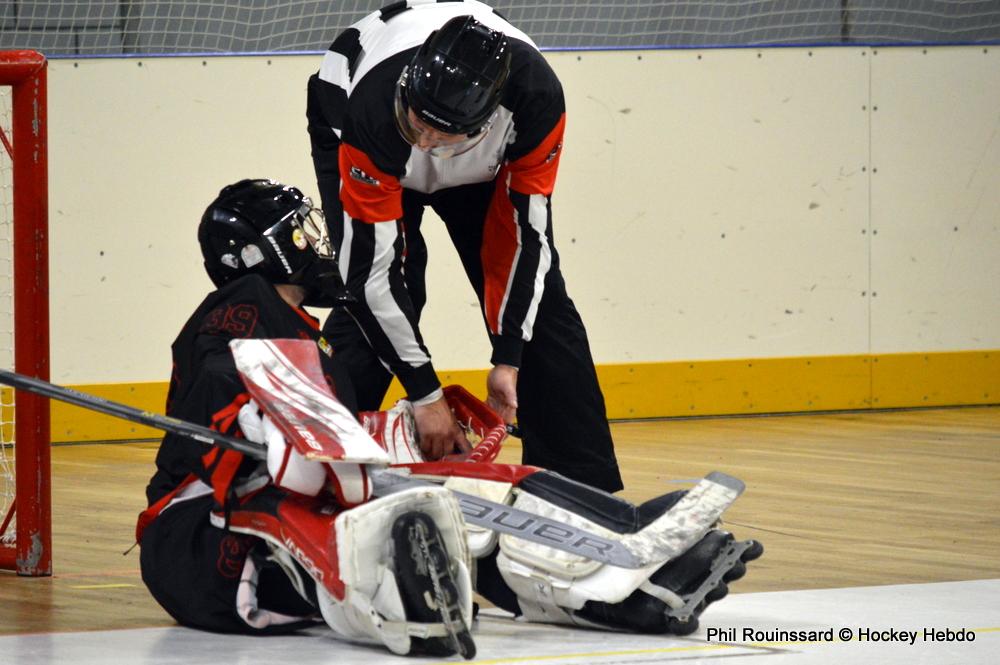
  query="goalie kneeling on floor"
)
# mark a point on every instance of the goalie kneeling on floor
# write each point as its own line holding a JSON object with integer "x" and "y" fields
{"x": 232, "y": 544}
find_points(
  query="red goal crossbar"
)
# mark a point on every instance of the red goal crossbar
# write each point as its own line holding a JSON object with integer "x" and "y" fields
{"x": 26, "y": 144}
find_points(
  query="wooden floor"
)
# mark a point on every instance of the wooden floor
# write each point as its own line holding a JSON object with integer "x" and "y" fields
{"x": 838, "y": 500}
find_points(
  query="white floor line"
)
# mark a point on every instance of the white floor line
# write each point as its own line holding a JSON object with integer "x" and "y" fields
{"x": 870, "y": 613}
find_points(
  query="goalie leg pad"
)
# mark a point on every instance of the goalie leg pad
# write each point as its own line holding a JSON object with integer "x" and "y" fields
{"x": 380, "y": 570}
{"x": 354, "y": 561}
{"x": 427, "y": 585}
{"x": 302, "y": 526}
{"x": 552, "y": 586}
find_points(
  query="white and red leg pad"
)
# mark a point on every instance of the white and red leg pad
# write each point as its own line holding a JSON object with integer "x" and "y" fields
{"x": 301, "y": 525}
{"x": 371, "y": 605}
{"x": 348, "y": 553}
{"x": 493, "y": 482}
{"x": 550, "y": 583}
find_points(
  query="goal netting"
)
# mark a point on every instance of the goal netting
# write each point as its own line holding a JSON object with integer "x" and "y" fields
{"x": 87, "y": 27}
{"x": 25, "y": 521}
{"x": 7, "y": 491}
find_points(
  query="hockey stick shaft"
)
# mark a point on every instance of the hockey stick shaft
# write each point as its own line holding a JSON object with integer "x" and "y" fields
{"x": 477, "y": 511}
{"x": 166, "y": 423}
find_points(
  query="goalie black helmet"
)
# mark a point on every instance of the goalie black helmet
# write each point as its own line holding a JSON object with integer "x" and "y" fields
{"x": 264, "y": 227}
{"x": 456, "y": 79}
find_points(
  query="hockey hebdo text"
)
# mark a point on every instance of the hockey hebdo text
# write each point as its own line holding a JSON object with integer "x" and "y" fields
{"x": 859, "y": 634}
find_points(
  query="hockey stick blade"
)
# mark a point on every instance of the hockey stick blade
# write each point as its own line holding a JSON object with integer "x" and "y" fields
{"x": 687, "y": 521}
{"x": 477, "y": 511}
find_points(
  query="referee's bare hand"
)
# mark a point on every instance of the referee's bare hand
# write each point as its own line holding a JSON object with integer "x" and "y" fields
{"x": 439, "y": 433}
{"x": 501, "y": 392}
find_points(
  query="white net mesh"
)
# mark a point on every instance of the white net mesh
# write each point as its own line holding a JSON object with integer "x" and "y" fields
{"x": 105, "y": 27}
{"x": 6, "y": 315}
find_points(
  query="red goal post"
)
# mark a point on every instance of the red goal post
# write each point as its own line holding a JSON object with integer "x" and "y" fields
{"x": 26, "y": 524}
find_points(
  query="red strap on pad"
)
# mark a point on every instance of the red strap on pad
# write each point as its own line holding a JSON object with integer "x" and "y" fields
{"x": 303, "y": 526}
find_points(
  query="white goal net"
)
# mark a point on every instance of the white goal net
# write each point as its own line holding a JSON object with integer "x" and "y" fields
{"x": 7, "y": 491}
{"x": 106, "y": 27}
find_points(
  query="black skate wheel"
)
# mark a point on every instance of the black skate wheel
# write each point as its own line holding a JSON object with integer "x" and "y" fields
{"x": 755, "y": 551}
{"x": 718, "y": 593}
{"x": 738, "y": 570}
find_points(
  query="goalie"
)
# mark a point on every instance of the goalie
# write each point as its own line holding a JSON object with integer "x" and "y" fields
{"x": 229, "y": 546}
{"x": 233, "y": 545}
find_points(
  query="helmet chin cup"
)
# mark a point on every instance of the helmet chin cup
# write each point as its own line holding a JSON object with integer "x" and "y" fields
{"x": 325, "y": 287}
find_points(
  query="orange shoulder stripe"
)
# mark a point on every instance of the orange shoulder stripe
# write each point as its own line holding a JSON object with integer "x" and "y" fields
{"x": 367, "y": 193}
{"x": 535, "y": 173}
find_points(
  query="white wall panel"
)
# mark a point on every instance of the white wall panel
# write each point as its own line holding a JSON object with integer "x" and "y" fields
{"x": 710, "y": 204}
{"x": 936, "y": 199}
{"x": 137, "y": 150}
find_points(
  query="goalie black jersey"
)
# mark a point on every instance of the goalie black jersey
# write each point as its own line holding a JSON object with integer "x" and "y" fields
{"x": 363, "y": 165}
{"x": 206, "y": 389}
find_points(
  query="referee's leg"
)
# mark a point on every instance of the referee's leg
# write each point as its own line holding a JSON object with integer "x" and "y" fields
{"x": 561, "y": 408}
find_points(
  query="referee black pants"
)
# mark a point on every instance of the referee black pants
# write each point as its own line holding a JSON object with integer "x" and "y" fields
{"x": 561, "y": 411}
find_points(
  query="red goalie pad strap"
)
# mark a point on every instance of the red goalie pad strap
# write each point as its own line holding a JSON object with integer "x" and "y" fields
{"x": 303, "y": 526}
{"x": 147, "y": 516}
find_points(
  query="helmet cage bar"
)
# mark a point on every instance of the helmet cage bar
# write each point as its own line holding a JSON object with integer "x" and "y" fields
{"x": 304, "y": 230}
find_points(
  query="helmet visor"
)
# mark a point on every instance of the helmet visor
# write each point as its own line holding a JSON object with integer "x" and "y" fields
{"x": 428, "y": 139}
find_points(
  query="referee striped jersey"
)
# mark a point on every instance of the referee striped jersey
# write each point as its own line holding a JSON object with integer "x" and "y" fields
{"x": 363, "y": 164}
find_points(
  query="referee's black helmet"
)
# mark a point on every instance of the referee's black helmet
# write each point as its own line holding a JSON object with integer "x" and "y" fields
{"x": 456, "y": 79}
